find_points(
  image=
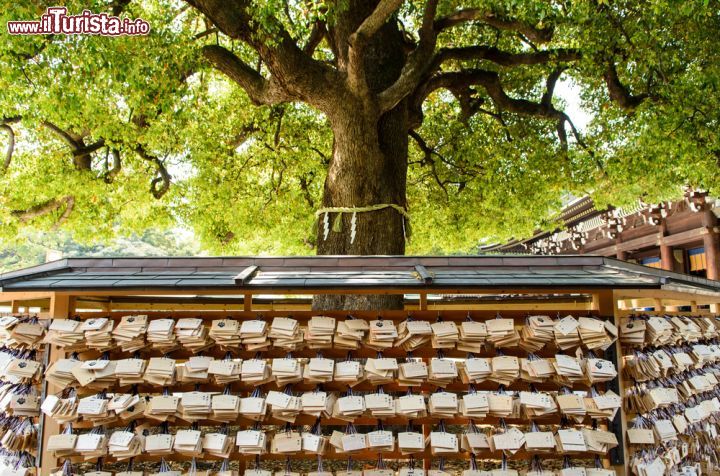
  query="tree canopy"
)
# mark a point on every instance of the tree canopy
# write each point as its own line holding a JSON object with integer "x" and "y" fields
{"x": 37, "y": 248}
{"x": 200, "y": 123}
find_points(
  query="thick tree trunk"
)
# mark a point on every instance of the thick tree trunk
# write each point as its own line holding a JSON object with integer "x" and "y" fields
{"x": 368, "y": 167}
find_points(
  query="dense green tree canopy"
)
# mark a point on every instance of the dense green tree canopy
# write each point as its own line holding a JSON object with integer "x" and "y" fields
{"x": 36, "y": 248}
{"x": 113, "y": 135}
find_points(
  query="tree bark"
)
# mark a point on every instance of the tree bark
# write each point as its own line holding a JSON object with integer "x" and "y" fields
{"x": 368, "y": 167}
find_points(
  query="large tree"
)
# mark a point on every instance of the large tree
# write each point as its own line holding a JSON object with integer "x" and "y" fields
{"x": 245, "y": 117}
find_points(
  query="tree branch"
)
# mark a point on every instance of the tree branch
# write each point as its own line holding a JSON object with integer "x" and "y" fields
{"x": 375, "y": 20}
{"x": 44, "y": 208}
{"x": 111, "y": 173}
{"x": 69, "y": 205}
{"x": 538, "y": 35}
{"x": 498, "y": 117}
{"x": 90, "y": 148}
{"x": 427, "y": 29}
{"x": 64, "y": 135}
{"x": 490, "y": 81}
{"x": 245, "y": 132}
{"x": 417, "y": 64}
{"x": 305, "y": 187}
{"x": 294, "y": 74}
{"x": 359, "y": 39}
{"x": 317, "y": 34}
{"x": 618, "y": 92}
{"x": 118, "y": 6}
{"x": 10, "y": 146}
{"x": 428, "y": 160}
{"x": 417, "y": 67}
{"x": 205, "y": 33}
{"x": 82, "y": 158}
{"x": 259, "y": 89}
{"x": 550, "y": 86}
{"x": 504, "y": 58}
{"x": 278, "y": 128}
{"x": 161, "y": 184}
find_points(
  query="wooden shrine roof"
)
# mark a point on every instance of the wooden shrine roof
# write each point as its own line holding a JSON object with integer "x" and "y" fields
{"x": 411, "y": 273}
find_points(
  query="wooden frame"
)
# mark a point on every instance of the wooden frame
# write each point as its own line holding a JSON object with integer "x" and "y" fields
{"x": 604, "y": 302}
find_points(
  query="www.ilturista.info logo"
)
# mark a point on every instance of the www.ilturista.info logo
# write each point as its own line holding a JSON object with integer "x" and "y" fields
{"x": 57, "y": 21}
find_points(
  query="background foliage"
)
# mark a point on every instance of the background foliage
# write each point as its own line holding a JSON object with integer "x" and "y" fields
{"x": 248, "y": 179}
{"x": 36, "y": 248}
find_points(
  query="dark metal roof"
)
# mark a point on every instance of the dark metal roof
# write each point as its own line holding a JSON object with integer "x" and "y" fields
{"x": 431, "y": 273}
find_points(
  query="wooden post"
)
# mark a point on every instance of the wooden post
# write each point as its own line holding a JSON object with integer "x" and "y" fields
{"x": 427, "y": 456}
{"x": 621, "y": 255}
{"x": 711, "y": 243}
{"x": 61, "y": 306}
{"x": 666, "y": 252}
{"x": 247, "y": 302}
{"x": 606, "y": 305}
{"x": 666, "y": 257}
{"x": 423, "y": 302}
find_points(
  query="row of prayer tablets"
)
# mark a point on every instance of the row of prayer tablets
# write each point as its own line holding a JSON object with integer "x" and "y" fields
{"x": 644, "y": 330}
{"x": 101, "y": 409}
{"x": 381, "y": 470}
{"x": 440, "y": 371}
{"x": 137, "y": 332}
{"x": 126, "y": 443}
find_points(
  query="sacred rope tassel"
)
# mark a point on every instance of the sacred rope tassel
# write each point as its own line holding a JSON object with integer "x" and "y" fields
{"x": 353, "y": 227}
{"x": 337, "y": 223}
{"x": 326, "y": 226}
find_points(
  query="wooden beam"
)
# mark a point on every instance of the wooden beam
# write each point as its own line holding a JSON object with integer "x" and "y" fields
{"x": 685, "y": 237}
{"x": 25, "y": 295}
{"x": 524, "y": 290}
{"x": 528, "y": 307}
{"x": 246, "y": 275}
{"x": 423, "y": 274}
{"x": 699, "y": 312}
{"x": 685, "y": 297}
{"x": 646, "y": 241}
{"x": 621, "y": 248}
{"x": 247, "y": 302}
